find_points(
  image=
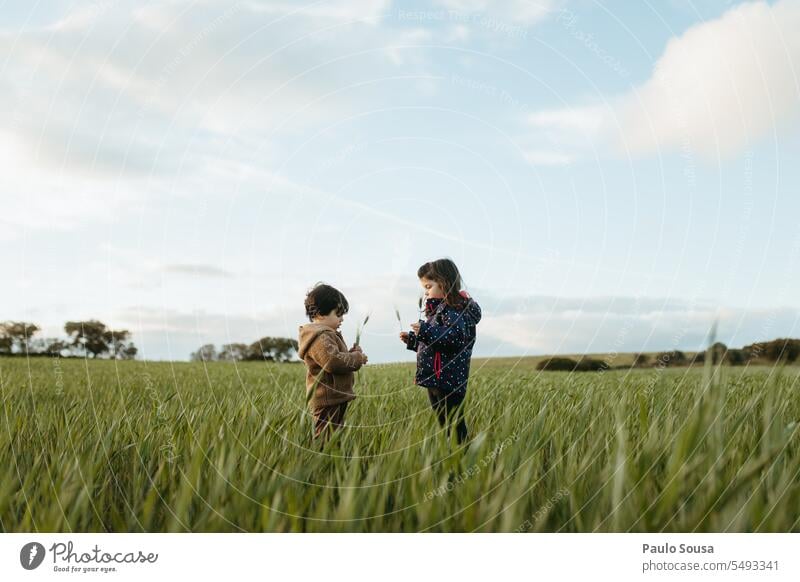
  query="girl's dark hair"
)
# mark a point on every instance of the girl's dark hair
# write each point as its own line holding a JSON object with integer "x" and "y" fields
{"x": 322, "y": 299}
{"x": 445, "y": 272}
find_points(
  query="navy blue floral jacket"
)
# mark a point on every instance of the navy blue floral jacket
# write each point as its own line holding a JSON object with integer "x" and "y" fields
{"x": 444, "y": 344}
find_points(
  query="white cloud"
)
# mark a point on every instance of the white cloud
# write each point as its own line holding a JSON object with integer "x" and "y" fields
{"x": 715, "y": 89}
{"x": 586, "y": 120}
{"x": 55, "y": 199}
{"x": 115, "y": 101}
{"x": 498, "y": 24}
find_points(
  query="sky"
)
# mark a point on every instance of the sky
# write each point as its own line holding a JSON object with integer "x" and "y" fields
{"x": 608, "y": 176}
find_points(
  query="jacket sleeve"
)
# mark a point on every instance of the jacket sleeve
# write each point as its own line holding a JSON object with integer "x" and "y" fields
{"x": 411, "y": 344}
{"x": 326, "y": 353}
{"x": 452, "y": 335}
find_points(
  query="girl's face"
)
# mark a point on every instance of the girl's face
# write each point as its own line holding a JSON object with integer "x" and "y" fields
{"x": 332, "y": 320}
{"x": 432, "y": 289}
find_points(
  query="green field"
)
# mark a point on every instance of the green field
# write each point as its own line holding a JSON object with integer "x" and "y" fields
{"x": 137, "y": 446}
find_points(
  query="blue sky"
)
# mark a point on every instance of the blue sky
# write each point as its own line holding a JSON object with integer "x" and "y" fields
{"x": 609, "y": 176}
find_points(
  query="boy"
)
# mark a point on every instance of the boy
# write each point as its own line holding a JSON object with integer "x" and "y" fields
{"x": 329, "y": 364}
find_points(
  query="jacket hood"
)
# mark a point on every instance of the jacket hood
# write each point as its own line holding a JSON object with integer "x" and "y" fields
{"x": 307, "y": 334}
{"x": 471, "y": 310}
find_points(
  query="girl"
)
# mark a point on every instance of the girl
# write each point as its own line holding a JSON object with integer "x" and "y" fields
{"x": 444, "y": 341}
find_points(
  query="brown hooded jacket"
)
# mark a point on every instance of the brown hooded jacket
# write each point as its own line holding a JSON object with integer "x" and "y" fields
{"x": 327, "y": 358}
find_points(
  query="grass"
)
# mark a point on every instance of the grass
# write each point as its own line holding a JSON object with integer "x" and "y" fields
{"x": 137, "y": 446}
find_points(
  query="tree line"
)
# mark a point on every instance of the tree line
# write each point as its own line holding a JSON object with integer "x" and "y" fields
{"x": 269, "y": 349}
{"x": 783, "y": 350}
{"x": 85, "y": 339}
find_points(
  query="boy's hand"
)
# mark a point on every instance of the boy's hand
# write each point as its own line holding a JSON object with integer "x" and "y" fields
{"x": 404, "y": 337}
{"x": 356, "y": 348}
{"x": 415, "y": 327}
{"x": 364, "y": 358}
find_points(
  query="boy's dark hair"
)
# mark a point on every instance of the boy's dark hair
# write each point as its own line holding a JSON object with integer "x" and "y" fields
{"x": 445, "y": 272}
{"x": 322, "y": 299}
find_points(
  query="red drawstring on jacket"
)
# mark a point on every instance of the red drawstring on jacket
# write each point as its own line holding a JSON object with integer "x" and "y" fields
{"x": 437, "y": 364}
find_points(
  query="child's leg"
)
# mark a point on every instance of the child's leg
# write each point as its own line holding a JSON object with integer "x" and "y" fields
{"x": 328, "y": 418}
{"x": 455, "y": 411}
{"x": 437, "y": 399}
{"x": 449, "y": 410}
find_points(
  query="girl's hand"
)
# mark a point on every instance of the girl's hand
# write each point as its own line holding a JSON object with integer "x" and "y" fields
{"x": 404, "y": 337}
{"x": 415, "y": 327}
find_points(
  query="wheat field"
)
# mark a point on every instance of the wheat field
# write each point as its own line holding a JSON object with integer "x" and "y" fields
{"x": 90, "y": 446}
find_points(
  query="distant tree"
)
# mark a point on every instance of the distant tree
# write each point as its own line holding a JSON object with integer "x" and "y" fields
{"x": 6, "y": 343}
{"x": 640, "y": 360}
{"x": 119, "y": 345}
{"x": 38, "y": 346}
{"x": 17, "y": 336}
{"x": 94, "y": 338}
{"x": 786, "y": 350}
{"x": 721, "y": 354}
{"x": 557, "y": 365}
{"x": 272, "y": 349}
{"x": 736, "y": 357}
{"x": 205, "y": 353}
{"x": 54, "y": 347}
{"x": 717, "y": 352}
{"x": 88, "y": 337}
{"x": 672, "y": 358}
{"x": 591, "y": 365}
{"x": 286, "y": 350}
{"x": 751, "y": 352}
{"x": 235, "y": 352}
{"x": 778, "y": 350}
{"x": 261, "y": 350}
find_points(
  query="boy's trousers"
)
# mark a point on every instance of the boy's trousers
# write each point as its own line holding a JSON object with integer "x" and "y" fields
{"x": 328, "y": 418}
